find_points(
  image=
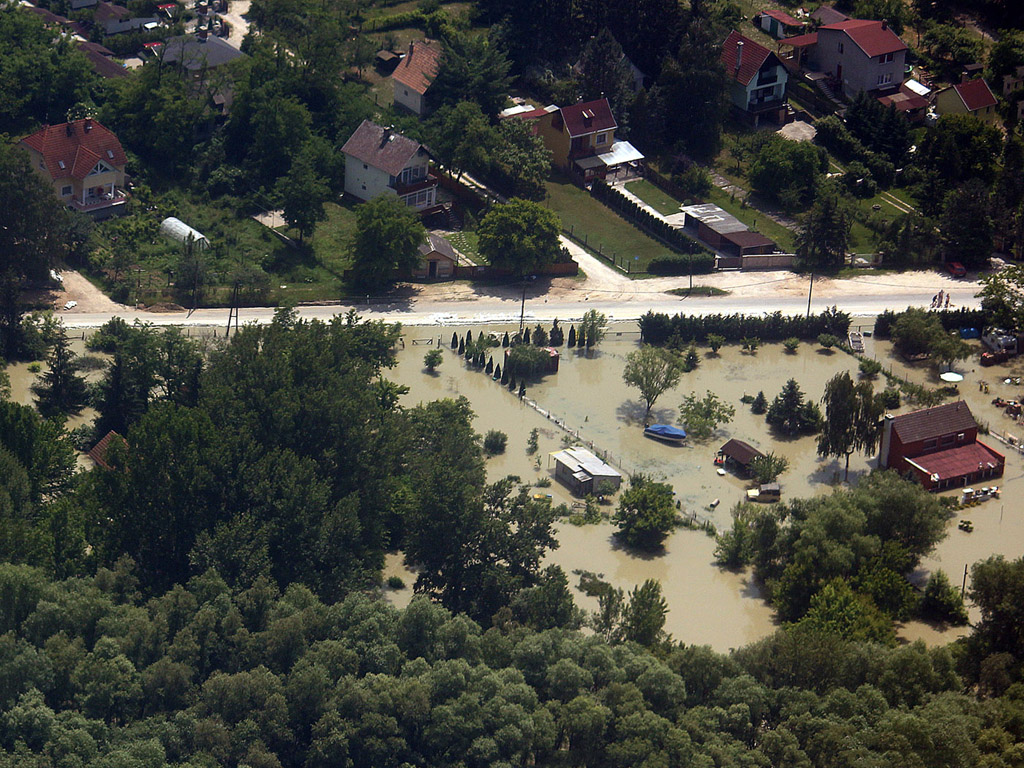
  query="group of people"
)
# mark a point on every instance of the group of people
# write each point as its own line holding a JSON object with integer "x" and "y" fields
{"x": 937, "y": 300}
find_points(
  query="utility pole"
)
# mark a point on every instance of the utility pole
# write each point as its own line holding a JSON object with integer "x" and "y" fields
{"x": 233, "y": 312}
{"x": 522, "y": 309}
{"x": 810, "y": 288}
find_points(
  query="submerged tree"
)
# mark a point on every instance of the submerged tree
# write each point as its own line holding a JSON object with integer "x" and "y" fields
{"x": 653, "y": 371}
{"x": 61, "y": 391}
{"x": 646, "y": 513}
{"x": 852, "y": 415}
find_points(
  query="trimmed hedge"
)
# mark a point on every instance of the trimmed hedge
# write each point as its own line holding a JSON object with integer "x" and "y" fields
{"x": 951, "y": 320}
{"x": 395, "y": 21}
{"x": 644, "y": 220}
{"x": 696, "y": 264}
{"x": 658, "y": 328}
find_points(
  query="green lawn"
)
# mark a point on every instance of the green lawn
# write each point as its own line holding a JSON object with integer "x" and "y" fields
{"x": 757, "y": 221}
{"x": 467, "y": 243}
{"x": 602, "y": 229}
{"x": 660, "y": 201}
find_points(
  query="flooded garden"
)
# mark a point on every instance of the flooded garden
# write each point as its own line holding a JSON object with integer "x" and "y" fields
{"x": 587, "y": 403}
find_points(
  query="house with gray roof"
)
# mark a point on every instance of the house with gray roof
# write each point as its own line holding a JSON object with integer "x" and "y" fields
{"x": 381, "y": 161}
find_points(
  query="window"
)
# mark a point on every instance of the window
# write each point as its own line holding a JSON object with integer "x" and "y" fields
{"x": 885, "y": 58}
{"x": 65, "y": 190}
{"x": 602, "y": 138}
{"x": 885, "y": 79}
{"x": 366, "y": 167}
{"x": 840, "y": 47}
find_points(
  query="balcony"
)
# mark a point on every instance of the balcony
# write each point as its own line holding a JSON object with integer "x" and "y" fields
{"x": 94, "y": 203}
{"x": 757, "y": 106}
{"x": 414, "y": 185}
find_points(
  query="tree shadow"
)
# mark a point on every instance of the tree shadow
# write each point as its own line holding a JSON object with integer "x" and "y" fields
{"x": 640, "y": 553}
{"x": 632, "y": 412}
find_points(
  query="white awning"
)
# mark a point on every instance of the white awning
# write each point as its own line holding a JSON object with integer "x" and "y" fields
{"x": 621, "y": 152}
{"x": 918, "y": 88}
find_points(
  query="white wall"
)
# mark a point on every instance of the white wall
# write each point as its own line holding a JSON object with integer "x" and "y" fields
{"x": 408, "y": 98}
{"x": 365, "y": 182}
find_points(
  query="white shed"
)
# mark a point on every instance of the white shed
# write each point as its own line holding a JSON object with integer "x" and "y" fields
{"x": 180, "y": 231}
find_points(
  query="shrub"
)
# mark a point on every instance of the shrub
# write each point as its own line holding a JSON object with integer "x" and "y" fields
{"x": 544, "y": 482}
{"x": 889, "y": 398}
{"x": 432, "y": 359}
{"x": 760, "y": 404}
{"x": 657, "y": 329}
{"x": 531, "y": 443}
{"x": 525, "y": 360}
{"x": 791, "y": 344}
{"x": 716, "y": 342}
{"x": 827, "y": 340}
{"x": 870, "y": 368}
{"x": 396, "y": 582}
{"x": 495, "y": 442}
{"x": 696, "y": 264}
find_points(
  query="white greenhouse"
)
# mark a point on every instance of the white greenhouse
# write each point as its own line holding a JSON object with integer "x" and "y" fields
{"x": 180, "y": 231}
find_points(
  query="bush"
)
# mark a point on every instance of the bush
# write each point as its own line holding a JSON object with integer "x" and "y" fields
{"x": 495, "y": 442}
{"x": 889, "y": 398}
{"x": 827, "y": 340}
{"x": 697, "y": 264}
{"x": 791, "y": 344}
{"x": 432, "y": 359}
{"x": 525, "y": 360}
{"x": 760, "y": 404}
{"x": 658, "y": 328}
{"x": 395, "y": 582}
{"x": 715, "y": 341}
{"x": 870, "y": 368}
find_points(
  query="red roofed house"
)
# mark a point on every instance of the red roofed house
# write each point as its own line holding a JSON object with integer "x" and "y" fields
{"x": 100, "y": 453}
{"x": 379, "y": 161}
{"x": 972, "y": 97}
{"x": 939, "y": 447}
{"x": 85, "y": 163}
{"x": 860, "y": 55}
{"x": 582, "y": 142}
{"x": 757, "y": 79}
{"x": 778, "y": 24}
{"x": 413, "y": 76}
{"x": 911, "y": 105}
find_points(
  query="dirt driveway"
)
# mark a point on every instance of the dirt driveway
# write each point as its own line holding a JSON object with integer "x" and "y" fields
{"x": 90, "y": 298}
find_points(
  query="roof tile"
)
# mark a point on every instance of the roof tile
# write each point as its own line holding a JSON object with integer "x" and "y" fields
{"x": 975, "y": 94}
{"x": 754, "y": 55}
{"x": 588, "y": 117}
{"x": 381, "y": 147}
{"x": 933, "y": 422}
{"x": 419, "y": 66}
{"x": 79, "y": 149}
{"x": 872, "y": 37}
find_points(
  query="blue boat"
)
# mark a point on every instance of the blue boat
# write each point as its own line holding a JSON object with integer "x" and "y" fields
{"x": 665, "y": 432}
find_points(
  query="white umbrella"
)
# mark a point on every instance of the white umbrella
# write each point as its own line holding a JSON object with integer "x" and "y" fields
{"x": 952, "y": 377}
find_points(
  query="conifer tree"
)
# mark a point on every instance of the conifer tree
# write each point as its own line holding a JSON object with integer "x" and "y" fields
{"x": 61, "y": 391}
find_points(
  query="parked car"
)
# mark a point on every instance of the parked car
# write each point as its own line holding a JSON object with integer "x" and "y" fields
{"x": 956, "y": 269}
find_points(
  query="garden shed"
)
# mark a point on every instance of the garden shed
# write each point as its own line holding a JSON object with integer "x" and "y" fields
{"x": 738, "y": 453}
{"x": 178, "y": 230}
{"x": 582, "y": 472}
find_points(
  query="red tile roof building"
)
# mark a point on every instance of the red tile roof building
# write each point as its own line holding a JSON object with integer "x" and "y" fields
{"x": 777, "y": 23}
{"x": 413, "y": 76}
{"x": 581, "y": 138}
{"x": 860, "y": 55}
{"x": 99, "y": 452}
{"x": 875, "y": 38}
{"x": 939, "y": 447}
{"x": 742, "y": 57}
{"x": 758, "y": 87}
{"x": 84, "y": 161}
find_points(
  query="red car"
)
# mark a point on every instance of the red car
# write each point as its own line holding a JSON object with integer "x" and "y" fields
{"x": 956, "y": 269}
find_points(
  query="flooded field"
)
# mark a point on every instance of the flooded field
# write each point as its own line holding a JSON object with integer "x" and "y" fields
{"x": 587, "y": 402}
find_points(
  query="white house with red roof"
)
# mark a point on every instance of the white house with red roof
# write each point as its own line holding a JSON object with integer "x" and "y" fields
{"x": 380, "y": 161}
{"x": 860, "y": 55}
{"x": 84, "y": 162}
{"x": 582, "y": 140}
{"x": 971, "y": 97}
{"x": 757, "y": 79}
{"x": 414, "y": 75}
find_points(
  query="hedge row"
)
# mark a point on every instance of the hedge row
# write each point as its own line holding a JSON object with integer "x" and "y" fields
{"x": 396, "y": 21}
{"x": 644, "y": 220}
{"x": 952, "y": 320}
{"x": 658, "y": 328}
{"x": 692, "y": 264}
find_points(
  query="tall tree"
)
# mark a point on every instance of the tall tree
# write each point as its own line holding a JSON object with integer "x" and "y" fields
{"x": 851, "y": 419}
{"x": 462, "y": 138}
{"x": 303, "y": 192}
{"x": 646, "y": 513}
{"x": 791, "y": 414}
{"x": 473, "y": 68}
{"x": 966, "y": 224}
{"x": 605, "y": 72}
{"x": 653, "y": 371}
{"x": 61, "y": 391}
{"x": 388, "y": 235}
{"x": 824, "y": 236}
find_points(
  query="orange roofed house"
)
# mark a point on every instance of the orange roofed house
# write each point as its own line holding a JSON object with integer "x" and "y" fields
{"x": 970, "y": 97}
{"x": 939, "y": 447}
{"x": 84, "y": 162}
{"x": 582, "y": 141}
{"x": 415, "y": 74}
{"x": 757, "y": 86}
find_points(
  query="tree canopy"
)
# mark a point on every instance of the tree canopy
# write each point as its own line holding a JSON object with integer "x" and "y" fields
{"x": 521, "y": 236}
{"x": 388, "y": 236}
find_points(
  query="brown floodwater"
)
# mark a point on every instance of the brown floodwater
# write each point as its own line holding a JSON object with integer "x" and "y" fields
{"x": 587, "y": 398}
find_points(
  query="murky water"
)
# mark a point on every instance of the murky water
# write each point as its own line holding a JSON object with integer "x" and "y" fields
{"x": 587, "y": 395}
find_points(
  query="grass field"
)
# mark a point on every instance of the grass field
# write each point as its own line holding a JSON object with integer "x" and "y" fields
{"x": 660, "y": 201}
{"x": 601, "y": 228}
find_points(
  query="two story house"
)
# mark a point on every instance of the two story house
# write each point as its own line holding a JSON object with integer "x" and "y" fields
{"x": 971, "y": 97}
{"x": 414, "y": 75}
{"x": 582, "y": 141}
{"x": 757, "y": 79}
{"x": 379, "y": 161}
{"x": 861, "y": 55}
{"x": 939, "y": 447}
{"x": 84, "y": 162}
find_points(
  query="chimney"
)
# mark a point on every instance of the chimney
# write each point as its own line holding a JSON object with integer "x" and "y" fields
{"x": 385, "y": 137}
{"x": 885, "y": 23}
{"x": 201, "y": 35}
{"x": 87, "y": 124}
{"x": 70, "y": 128}
{"x": 739, "y": 54}
{"x": 886, "y": 441}
{"x": 412, "y": 44}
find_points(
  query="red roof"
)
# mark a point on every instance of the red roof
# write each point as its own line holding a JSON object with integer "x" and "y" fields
{"x": 873, "y": 37}
{"x": 99, "y": 452}
{"x": 754, "y": 55}
{"x": 783, "y": 17}
{"x": 960, "y": 461}
{"x": 927, "y": 423}
{"x": 588, "y": 117}
{"x": 76, "y": 146}
{"x": 904, "y": 101}
{"x": 801, "y": 41}
{"x": 418, "y": 67}
{"x": 109, "y": 12}
{"x": 975, "y": 94}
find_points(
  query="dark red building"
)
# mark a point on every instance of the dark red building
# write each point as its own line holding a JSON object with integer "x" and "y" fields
{"x": 939, "y": 447}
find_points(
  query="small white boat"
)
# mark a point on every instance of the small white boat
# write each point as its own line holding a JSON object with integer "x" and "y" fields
{"x": 714, "y": 503}
{"x": 721, "y": 471}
